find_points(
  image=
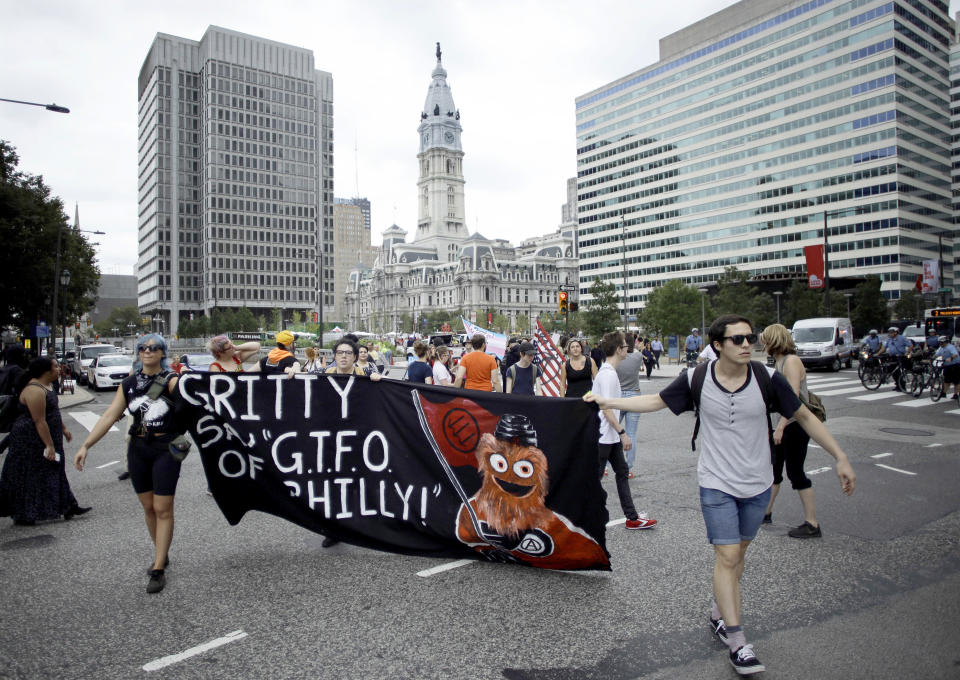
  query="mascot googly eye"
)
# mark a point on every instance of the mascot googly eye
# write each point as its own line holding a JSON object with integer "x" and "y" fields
{"x": 523, "y": 469}
{"x": 498, "y": 462}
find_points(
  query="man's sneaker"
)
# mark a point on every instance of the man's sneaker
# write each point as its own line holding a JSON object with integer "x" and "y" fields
{"x": 641, "y": 522}
{"x": 719, "y": 629}
{"x": 805, "y": 530}
{"x": 745, "y": 662}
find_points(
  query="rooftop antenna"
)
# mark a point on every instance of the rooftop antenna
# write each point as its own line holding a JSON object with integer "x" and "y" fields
{"x": 356, "y": 166}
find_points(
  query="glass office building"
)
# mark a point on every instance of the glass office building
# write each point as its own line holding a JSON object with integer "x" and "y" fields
{"x": 756, "y": 122}
{"x": 235, "y": 178}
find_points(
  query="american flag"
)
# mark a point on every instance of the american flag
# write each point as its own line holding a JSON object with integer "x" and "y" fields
{"x": 549, "y": 360}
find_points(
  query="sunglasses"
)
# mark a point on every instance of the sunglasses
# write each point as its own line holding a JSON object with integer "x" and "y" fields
{"x": 150, "y": 348}
{"x": 751, "y": 338}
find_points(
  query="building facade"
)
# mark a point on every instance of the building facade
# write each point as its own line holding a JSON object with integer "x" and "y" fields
{"x": 351, "y": 247}
{"x": 756, "y": 123}
{"x": 444, "y": 267}
{"x": 235, "y": 178}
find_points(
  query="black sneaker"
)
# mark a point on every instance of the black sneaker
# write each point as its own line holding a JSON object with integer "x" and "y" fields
{"x": 329, "y": 542}
{"x": 805, "y": 530}
{"x": 719, "y": 629}
{"x": 165, "y": 565}
{"x": 123, "y": 476}
{"x": 157, "y": 581}
{"x": 745, "y": 662}
{"x": 768, "y": 518}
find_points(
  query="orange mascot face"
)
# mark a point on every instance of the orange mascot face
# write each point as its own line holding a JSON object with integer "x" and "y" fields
{"x": 514, "y": 486}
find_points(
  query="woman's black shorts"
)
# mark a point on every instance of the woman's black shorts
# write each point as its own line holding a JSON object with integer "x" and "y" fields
{"x": 151, "y": 466}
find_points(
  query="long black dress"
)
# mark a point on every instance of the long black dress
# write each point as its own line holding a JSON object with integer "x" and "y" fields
{"x": 579, "y": 382}
{"x": 33, "y": 488}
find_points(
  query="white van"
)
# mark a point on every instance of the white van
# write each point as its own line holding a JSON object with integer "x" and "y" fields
{"x": 824, "y": 342}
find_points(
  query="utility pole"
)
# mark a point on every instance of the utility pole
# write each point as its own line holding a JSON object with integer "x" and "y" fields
{"x": 623, "y": 243}
{"x": 826, "y": 266}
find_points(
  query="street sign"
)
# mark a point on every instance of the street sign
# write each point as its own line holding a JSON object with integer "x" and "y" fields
{"x": 42, "y": 330}
{"x": 945, "y": 290}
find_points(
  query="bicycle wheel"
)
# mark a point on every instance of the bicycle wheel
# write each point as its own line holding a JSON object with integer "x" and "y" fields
{"x": 912, "y": 383}
{"x": 936, "y": 386}
{"x": 871, "y": 378}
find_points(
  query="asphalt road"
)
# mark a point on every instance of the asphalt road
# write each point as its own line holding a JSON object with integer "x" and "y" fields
{"x": 877, "y": 597}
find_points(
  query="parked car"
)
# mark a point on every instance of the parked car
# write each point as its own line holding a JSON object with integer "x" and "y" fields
{"x": 108, "y": 370}
{"x": 85, "y": 356}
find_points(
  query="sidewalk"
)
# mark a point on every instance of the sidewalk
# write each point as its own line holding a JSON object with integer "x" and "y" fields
{"x": 80, "y": 396}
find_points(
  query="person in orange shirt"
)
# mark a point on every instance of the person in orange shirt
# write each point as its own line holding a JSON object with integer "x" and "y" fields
{"x": 478, "y": 370}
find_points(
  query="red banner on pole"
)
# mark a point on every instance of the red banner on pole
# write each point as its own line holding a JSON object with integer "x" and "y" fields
{"x": 814, "y": 256}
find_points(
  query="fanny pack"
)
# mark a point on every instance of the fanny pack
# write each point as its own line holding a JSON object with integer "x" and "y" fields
{"x": 179, "y": 447}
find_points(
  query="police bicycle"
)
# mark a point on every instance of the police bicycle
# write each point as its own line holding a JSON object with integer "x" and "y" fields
{"x": 880, "y": 369}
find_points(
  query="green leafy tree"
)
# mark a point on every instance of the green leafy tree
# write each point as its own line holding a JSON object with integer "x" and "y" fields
{"x": 406, "y": 323}
{"x": 800, "y": 303}
{"x": 602, "y": 313}
{"x": 30, "y": 219}
{"x": 673, "y": 309}
{"x": 275, "y": 320}
{"x": 119, "y": 318}
{"x": 870, "y": 309}
{"x": 523, "y": 323}
{"x": 244, "y": 320}
{"x": 735, "y": 295}
{"x": 909, "y": 306}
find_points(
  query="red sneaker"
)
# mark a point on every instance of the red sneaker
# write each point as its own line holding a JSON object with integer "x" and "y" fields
{"x": 641, "y": 523}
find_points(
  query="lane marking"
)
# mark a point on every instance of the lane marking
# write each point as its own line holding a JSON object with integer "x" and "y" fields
{"x": 614, "y": 522}
{"x": 112, "y": 462}
{"x": 818, "y": 471}
{"x": 157, "y": 664}
{"x": 815, "y": 446}
{"x": 88, "y": 419}
{"x": 887, "y": 467}
{"x": 881, "y": 455}
{"x": 444, "y": 567}
{"x": 878, "y": 395}
{"x": 932, "y": 446}
{"x": 835, "y": 382}
{"x": 845, "y": 390}
{"x": 955, "y": 411}
{"x": 916, "y": 403}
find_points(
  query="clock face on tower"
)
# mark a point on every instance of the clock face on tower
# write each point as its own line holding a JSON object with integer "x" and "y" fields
{"x": 448, "y": 137}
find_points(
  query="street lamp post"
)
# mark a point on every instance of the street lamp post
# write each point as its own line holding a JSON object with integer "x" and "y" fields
{"x": 48, "y": 107}
{"x": 848, "y": 296}
{"x": 703, "y": 309}
{"x": 777, "y": 294}
{"x": 64, "y": 281}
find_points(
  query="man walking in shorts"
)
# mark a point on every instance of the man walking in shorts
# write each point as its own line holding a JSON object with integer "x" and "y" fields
{"x": 734, "y": 470}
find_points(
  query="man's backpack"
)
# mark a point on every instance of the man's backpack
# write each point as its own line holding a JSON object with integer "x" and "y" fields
{"x": 766, "y": 389}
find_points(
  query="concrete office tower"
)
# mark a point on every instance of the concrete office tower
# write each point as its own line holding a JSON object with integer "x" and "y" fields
{"x": 351, "y": 247}
{"x": 755, "y": 122}
{"x": 235, "y": 178}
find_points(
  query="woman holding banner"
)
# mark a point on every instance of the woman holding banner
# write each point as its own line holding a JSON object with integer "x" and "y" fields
{"x": 147, "y": 393}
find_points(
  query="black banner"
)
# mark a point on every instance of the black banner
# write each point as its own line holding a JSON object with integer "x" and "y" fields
{"x": 412, "y": 469}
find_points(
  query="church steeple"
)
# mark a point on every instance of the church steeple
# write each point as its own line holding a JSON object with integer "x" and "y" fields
{"x": 440, "y": 186}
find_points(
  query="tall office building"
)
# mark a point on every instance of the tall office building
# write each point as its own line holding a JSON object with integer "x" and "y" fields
{"x": 235, "y": 178}
{"x": 755, "y": 123}
{"x": 351, "y": 247}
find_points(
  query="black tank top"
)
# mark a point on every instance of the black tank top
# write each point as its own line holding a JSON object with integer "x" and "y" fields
{"x": 156, "y": 415}
{"x": 579, "y": 382}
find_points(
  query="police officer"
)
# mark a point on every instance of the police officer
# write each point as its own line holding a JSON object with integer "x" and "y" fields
{"x": 896, "y": 346}
{"x": 872, "y": 341}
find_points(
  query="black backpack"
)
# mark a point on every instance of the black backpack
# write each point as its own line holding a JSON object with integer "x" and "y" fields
{"x": 763, "y": 380}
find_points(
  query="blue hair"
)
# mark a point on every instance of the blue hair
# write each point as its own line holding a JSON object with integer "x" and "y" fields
{"x": 155, "y": 339}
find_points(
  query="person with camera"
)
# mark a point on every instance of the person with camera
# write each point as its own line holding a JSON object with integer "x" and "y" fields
{"x": 157, "y": 446}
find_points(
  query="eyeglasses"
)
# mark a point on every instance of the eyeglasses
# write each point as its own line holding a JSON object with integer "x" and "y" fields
{"x": 344, "y": 352}
{"x": 150, "y": 348}
{"x": 751, "y": 338}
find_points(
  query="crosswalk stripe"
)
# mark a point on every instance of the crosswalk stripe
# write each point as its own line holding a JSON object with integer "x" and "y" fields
{"x": 845, "y": 390}
{"x": 88, "y": 419}
{"x": 916, "y": 403}
{"x": 955, "y": 411}
{"x": 834, "y": 382}
{"x": 878, "y": 395}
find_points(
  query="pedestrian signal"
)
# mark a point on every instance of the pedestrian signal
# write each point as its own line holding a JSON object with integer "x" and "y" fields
{"x": 562, "y": 298}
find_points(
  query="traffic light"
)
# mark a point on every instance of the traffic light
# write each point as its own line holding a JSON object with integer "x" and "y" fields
{"x": 562, "y": 298}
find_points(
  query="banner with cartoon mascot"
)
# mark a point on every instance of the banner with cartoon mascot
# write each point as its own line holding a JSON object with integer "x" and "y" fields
{"x": 402, "y": 467}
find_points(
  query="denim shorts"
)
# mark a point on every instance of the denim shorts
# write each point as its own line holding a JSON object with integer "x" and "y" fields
{"x": 730, "y": 519}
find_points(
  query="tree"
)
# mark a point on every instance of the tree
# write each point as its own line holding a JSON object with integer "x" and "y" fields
{"x": 673, "y": 309}
{"x": 245, "y": 320}
{"x": 870, "y": 308}
{"x": 800, "y": 303}
{"x": 736, "y": 296}
{"x": 120, "y": 318}
{"x": 909, "y": 306}
{"x": 602, "y": 314}
{"x": 30, "y": 219}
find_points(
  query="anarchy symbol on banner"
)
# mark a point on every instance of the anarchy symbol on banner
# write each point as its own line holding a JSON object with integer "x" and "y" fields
{"x": 461, "y": 430}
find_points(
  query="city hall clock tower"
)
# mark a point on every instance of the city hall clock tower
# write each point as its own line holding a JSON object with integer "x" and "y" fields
{"x": 440, "y": 221}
